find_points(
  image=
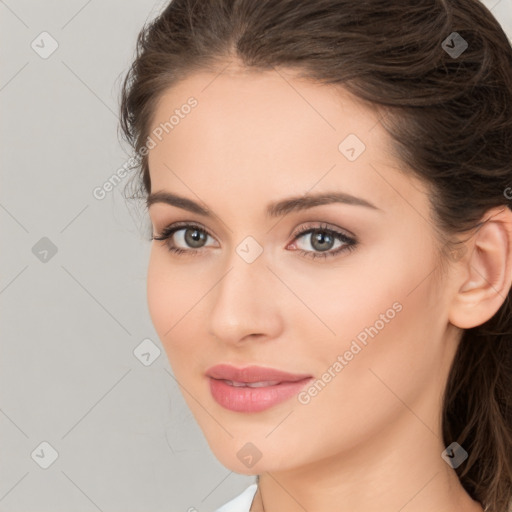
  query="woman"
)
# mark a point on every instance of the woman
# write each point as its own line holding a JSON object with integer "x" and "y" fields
{"x": 328, "y": 184}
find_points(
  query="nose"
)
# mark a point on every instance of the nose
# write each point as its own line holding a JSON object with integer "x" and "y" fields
{"x": 244, "y": 304}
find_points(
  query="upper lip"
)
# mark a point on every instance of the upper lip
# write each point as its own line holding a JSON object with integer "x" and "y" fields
{"x": 252, "y": 374}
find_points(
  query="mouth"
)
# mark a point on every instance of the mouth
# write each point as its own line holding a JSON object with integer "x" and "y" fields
{"x": 254, "y": 388}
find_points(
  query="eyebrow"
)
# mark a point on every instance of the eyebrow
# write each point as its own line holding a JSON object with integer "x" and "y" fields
{"x": 275, "y": 209}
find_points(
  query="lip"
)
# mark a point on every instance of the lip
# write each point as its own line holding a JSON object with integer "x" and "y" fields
{"x": 248, "y": 399}
{"x": 252, "y": 374}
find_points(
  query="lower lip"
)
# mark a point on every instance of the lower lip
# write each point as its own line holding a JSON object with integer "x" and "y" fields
{"x": 246, "y": 399}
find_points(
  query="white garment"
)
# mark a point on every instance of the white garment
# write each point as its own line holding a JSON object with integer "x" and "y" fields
{"x": 242, "y": 503}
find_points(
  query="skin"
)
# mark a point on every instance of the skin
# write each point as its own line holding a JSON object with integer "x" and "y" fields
{"x": 371, "y": 439}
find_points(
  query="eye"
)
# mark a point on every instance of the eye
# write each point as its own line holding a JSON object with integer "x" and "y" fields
{"x": 323, "y": 239}
{"x": 189, "y": 235}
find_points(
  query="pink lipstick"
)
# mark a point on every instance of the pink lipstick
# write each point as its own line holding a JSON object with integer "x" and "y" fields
{"x": 253, "y": 388}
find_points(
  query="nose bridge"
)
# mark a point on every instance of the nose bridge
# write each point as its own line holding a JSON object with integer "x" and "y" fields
{"x": 242, "y": 301}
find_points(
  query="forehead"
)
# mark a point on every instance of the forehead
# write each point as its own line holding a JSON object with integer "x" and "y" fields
{"x": 238, "y": 103}
{"x": 265, "y": 132}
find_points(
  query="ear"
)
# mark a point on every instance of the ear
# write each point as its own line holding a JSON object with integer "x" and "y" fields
{"x": 485, "y": 276}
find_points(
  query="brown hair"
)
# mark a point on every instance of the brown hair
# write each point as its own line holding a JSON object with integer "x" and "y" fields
{"x": 450, "y": 120}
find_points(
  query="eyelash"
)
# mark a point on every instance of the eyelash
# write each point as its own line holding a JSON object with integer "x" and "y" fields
{"x": 350, "y": 243}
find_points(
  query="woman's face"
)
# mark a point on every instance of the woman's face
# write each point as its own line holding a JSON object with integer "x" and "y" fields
{"x": 366, "y": 319}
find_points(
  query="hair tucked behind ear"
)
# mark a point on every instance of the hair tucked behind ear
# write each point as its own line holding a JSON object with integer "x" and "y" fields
{"x": 450, "y": 120}
{"x": 477, "y": 410}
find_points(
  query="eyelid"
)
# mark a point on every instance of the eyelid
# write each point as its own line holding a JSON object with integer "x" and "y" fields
{"x": 323, "y": 226}
{"x": 176, "y": 226}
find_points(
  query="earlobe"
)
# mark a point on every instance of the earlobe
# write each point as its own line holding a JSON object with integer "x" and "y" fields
{"x": 486, "y": 273}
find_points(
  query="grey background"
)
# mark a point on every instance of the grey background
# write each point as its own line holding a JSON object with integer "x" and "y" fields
{"x": 125, "y": 439}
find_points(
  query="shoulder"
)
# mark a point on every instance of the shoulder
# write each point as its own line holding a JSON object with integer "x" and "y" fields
{"x": 242, "y": 503}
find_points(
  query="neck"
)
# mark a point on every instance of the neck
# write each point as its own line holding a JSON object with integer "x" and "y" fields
{"x": 390, "y": 471}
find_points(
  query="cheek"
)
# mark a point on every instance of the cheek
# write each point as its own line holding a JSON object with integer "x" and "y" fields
{"x": 383, "y": 311}
{"x": 389, "y": 321}
{"x": 160, "y": 295}
{"x": 175, "y": 294}
{"x": 170, "y": 294}
{"x": 364, "y": 293}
